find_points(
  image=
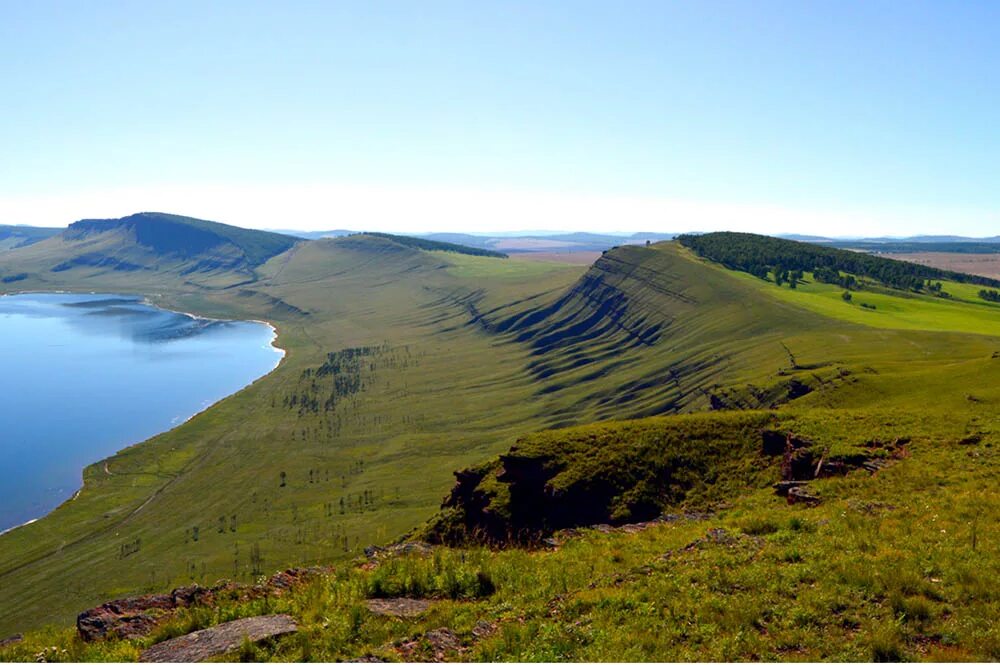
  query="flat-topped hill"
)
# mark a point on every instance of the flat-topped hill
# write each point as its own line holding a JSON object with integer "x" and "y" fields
{"x": 146, "y": 248}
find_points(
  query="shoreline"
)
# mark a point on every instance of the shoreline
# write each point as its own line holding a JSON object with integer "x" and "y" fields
{"x": 31, "y": 521}
{"x": 148, "y": 302}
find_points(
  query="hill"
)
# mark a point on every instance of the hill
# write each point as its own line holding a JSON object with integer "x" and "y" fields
{"x": 405, "y": 364}
{"x": 758, "y": 255}
{"x": 438, "y": 246}
{"x": 146, "y": 246}
{"x": 12, "y": 237}
{"x": 521, "y": 242}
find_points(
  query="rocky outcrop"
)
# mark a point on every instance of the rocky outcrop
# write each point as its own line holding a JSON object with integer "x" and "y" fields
{"x": 218, "y": 640}
{"x": 128, "y": 618}
{"x": 124, "y": 618}
{"x": 615, "y": 474}
{"x": 436, "y": 646}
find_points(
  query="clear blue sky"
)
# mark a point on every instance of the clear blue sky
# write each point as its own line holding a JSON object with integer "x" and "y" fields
{"x": 812, "y": 117}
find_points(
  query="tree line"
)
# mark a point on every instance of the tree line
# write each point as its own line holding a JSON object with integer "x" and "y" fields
{"x": 761, "y": 255}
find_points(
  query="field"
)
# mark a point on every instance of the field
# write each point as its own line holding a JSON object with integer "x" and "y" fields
{"x": 987, "y": 265}
{"x": 405, "y": 365}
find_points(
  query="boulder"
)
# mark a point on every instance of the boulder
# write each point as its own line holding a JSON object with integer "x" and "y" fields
{"x": 218, "y": 640}
{"x": 801, "y": 494}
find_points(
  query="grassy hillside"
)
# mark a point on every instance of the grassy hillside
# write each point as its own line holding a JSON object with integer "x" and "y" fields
{"x": 898, "y": 565}
{"x": 12, "y": 237}
{"x": 404, "y": 365}
{"x": 758, "y": 255}
{"x": 145, "y": 249}
{"x": 432, "y": 245}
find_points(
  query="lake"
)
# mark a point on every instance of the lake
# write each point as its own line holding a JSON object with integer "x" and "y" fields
{"x": 83, "y": 376}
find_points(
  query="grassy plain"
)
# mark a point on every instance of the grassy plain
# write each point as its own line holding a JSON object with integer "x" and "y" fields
{"x": 466, "y": 354}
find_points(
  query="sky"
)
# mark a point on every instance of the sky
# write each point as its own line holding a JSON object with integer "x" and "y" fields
{"x": 827, "y": 118}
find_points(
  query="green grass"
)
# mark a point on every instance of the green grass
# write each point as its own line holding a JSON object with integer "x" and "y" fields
{"x": 910, "y": 311}
{"x": 884, "y": 569}
{"x": 474, "y": 267}
{"x": 474, "y": 356}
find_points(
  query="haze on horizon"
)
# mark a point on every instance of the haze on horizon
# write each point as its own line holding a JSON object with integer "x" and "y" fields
{"x": 825, "y": 118}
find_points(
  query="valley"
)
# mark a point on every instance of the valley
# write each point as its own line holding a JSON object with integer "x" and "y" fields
{"x": 406, "y": 363}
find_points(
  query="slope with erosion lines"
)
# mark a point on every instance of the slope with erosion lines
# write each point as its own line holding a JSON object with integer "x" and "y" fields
{"x": 649, "y": 331}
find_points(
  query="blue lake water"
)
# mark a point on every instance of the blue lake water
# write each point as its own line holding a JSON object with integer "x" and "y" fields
{"x": 83, "y": 376}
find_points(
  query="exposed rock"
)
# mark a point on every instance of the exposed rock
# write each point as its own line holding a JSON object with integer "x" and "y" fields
{"x": 191, "y": 595}
{"x": 125, "y": 618}
{"x": 719, "y": 537}
{"x": 375, "y": 552}
{"x": 286, "y": 579}
{"x": 128, "y": 618}
{"x": 217, "y": 640}
{"x": 483, "y": 629}
{"x": 441, "y": 642}
{"x": 12, "y": 640}
{"x": 801, "y": 494}
{"x": 398, "y": 607}
{"x": 782, "y": 487}
{"x": 875, "y": 464}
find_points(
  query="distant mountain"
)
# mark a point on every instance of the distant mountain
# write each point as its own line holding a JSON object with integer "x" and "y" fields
{"x": 313, "y": 235}
{"x": 804, "y": 238}
{"x": 522, "y": 242}
{"x": 983, "y": 246}
{"x": 437, "y": 245}
{"x": 12, "y": 237}
{"x": 932, "y": 239}
{"x": 467, "y": 239}
{"x": 150, "y": 242}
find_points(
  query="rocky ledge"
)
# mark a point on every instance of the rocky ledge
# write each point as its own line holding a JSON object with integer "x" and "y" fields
{"x": 137, "y": 616}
